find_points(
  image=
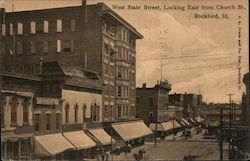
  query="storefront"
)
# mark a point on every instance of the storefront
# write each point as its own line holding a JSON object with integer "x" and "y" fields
{"x": 132, "y": 133}
{"x": 85, "y": 146}
{"x": 51, "y": 146}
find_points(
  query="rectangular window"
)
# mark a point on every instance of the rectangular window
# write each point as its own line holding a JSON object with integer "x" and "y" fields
{"x": 59, "y": 25}
{"x": 106, "y": 68}
{"x": 45, "y": 46}
{"x": 19, "y": 48}
{"x": 119, "y": 72}
{"x": 112, "y": 71}
{"x": 48, "y": 121}
{"x": 137, "y": 100}
{"x": 32, "y": 27}
{"x": 2, "y": 115}
{"x": 58, "y": 121}
{"x": 67, "y": 45}
{"x": 105, "y": 112}
{"x": 151, "y": 101}
{"x": 119, "y": 91}
{"x": 46, "y": 26}
{"x": 72, "y": 45}
{"x": 19, "y": 28}
{"x": 37, "y": 122}
{"x": 73, "y": 25}
{"x": 106, "y": 49}
{"x": 11, "y": 29}
{"x": 32, "y": 47}
{"x": 3, "y": 30}
{"x": 119, "y": 111}
{"x": 26, "y": 110}
{"x": 58, "y": 46}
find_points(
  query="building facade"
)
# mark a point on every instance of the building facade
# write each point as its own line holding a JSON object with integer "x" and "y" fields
{"x": 17, "y": 127}
{"x": 90, "y": 36}
{"x": 191, "y": 103}
{"x": 152, "y": 103}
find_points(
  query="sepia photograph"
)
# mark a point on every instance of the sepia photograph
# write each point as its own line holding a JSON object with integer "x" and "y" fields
{"x": 132, "y": 80}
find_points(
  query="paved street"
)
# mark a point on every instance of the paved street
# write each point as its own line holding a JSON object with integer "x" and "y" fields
{"x": 196, "y": 147}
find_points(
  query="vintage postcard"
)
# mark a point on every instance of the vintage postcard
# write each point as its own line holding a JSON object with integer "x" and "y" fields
{"x": 124, "y": 80}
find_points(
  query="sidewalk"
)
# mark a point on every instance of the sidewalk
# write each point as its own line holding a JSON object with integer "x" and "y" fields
{"x": 130, "y": 156}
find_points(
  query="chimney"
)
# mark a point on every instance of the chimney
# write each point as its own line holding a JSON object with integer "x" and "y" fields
{"x": 144, "y": 85}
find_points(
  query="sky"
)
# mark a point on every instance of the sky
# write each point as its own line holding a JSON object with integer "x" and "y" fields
{"x": 199, "y": 55}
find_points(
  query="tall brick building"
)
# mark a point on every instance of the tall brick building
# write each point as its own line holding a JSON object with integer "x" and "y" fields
{"x": 90, "y": 36}
{"x": 84, "y": 58}
{"x": 152, "y": 103}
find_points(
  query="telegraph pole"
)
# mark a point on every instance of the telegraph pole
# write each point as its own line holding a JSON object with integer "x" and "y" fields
{"x": 230, "y": 121}
{"x": 221, "y": 134}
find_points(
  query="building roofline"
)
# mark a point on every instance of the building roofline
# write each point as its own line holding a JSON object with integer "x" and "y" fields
{"x": 109, "y": 11}
{"x": 45, "y": 9}
{"x": 21, "y": 76}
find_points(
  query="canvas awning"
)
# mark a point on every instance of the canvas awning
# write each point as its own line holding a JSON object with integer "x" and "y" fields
{"x": 164, "y": 126}
{"x": 159, "y": 127}
{"x": 185, "y": 121}
{"x": 51, "y": 144}
{"x": 79, "y": 139}
{"x": 132, "y": 130}
{"x": 102, "y": 136}
{"x": 192, "y": 121}
{"x": 167, "y": 125}
{"x": 176, "y": 124}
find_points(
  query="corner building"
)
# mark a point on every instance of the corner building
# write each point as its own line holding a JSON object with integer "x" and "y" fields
{"x": 91, "y": 36}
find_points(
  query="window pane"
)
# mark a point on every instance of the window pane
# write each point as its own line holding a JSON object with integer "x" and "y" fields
{"x": 37, "y": 120}
{"x": 73, "y": 25}
{"x": 72, "y": 45}
{"x": 59, "y": 46}
{"x": 67, "y": 45}
{"x": 3, "y": 29}
{"x": 48, "y": 121}
{"x": 45, "y": 46}
{"x": 45, "y": 26}
{"x": 32, "y": 47}
{"x": 59, "y": 25}
{"x": 32, "y": 27}
{"x": 19, "y": 28}
{"x": 19, "y": 48}
{"x": 58, "y": 121}
{"x": 11, "y": 29}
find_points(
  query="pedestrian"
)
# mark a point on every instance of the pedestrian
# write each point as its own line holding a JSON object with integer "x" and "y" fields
{"x": 103, "y": 155}
{"x": 107, "y": 156}
{"x": 129, "y": 148}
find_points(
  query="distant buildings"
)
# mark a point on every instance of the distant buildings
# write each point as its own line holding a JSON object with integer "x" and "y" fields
{"x": 246, "y": 102}
{"x": 191, "y": 103}
{"x": 152, "y": 103}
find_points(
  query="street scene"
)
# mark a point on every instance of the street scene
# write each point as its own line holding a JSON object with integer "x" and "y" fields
{"x": 111, "y": 80}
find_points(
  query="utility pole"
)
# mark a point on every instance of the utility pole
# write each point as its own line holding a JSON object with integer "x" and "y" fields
{"x": 221, "y": 134}
{"x": 230, "y": 121}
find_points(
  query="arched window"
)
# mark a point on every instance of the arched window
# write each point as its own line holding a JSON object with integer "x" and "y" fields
{"x": 76, "y": 113}
{"x": 14, "y": 104}
{"x": 26, "y": 110}
{"x": 97, "y": 113}
{"x": 94, "y": 112}
{"x": 84, "y": 112}
{"x": 67, "y": 113}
